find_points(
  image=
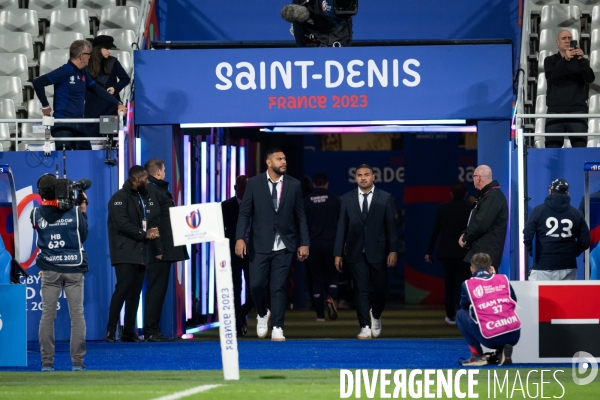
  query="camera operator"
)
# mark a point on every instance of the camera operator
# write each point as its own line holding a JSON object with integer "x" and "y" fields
{"x": 127, "y": 237}
{"x": 63, "y": 261}
{"x": 319, "y": 23}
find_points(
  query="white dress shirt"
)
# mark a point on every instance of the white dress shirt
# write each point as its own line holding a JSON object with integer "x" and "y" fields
{"x": 278, "y": 244}
{"x": 361, "y": 198}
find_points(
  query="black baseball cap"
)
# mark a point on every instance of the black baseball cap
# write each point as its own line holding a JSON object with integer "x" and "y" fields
{"x": 559, "y": 185}
{"x": 104, "y": 41}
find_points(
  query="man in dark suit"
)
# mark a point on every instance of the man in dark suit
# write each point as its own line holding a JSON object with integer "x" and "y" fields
{"x": 450, "y": 221}
{"x": 274, "y": 208}
{"x": 239, "y": 266}
{"x": 366, "y": 235}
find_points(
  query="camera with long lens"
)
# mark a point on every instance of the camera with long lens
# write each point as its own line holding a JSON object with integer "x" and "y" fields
{"x": 69, "y": 193}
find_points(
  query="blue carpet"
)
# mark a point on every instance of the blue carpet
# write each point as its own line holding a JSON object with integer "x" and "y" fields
{"x": 263, "y": 354}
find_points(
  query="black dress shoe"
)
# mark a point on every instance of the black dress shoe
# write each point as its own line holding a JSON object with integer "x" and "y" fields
{"x": 110, "y": 337}
{"x": 158, "y": 337}
{"x": 130, "y": 338}
{"x": 242, "y": 330}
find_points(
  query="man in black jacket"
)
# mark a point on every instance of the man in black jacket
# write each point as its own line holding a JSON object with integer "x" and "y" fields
{"x": 561, "y": 235}
{"x": 63, "y": 260}
{"x": 274, "y": 209}
{"x": 567, "y": 74}
{"x": 322, "y": 213}
{"x": 366, "y": 238}
{"x": 450, "y": 221}
{"x": 162, "y": 251}
{"x": 127, "y": 234}
{"x": 239, "y": 266}
{"x": 486, "y": 230}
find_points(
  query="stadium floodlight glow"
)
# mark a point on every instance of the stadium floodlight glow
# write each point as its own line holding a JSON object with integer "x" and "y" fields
{"x": 242, "y": 160}
{"x": 187, "y": 200}
{"x": 326, "y": 123}
{"x": 232, "y": 170}
{"x": 213, "y": 173}
{"x": 522, "y": 264}
{"x": 138, "y": 151}
{"x": 202, "y": 278}
{"x": 223, "y": 170}
{"x": 370, "y": 129}
{"x": 203, "y": 328}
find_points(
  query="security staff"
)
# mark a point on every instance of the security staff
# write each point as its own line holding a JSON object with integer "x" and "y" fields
{"x": 322, "y": 209}
{"x": 162, "y": 251}
{"x": 127, "y": 234}
{"x": 561, "y": 235}
{"x": 63, "y": 261}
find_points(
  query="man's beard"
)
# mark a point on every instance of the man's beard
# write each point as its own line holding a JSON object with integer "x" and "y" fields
{"x": 142, "y": 189}
{"x": 278, "y": 171}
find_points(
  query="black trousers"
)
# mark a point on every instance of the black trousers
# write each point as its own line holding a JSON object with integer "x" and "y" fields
{"x": 363, "y": 274}
{"x": 567, "y": 125}
{"x": 71, "y": 130}
{"x": 325, "y": 278}
{"x": 157, "y": 276}
{"x": 241, "y": 266}
{"x": 270, "y": 269}
{"x": 456, "y": 271}
{"x": 130, "y": 279}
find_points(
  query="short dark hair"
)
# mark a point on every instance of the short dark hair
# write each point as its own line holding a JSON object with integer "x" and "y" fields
{"x": 154, "y": 165}
{"x": 320, "y": 179}
{"x": 136, "y": 171}
{"x": 271, "y": 151}
{"x": 481, "y": 261}
{"x": 365, "y": 166}
{"x": 46, "y": 187}
{"x": 458, "y": 189}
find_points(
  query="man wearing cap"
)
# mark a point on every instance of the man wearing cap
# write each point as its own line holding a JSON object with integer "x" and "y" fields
{"x": 71, "y": 81}
{"x": 561, "y": 235}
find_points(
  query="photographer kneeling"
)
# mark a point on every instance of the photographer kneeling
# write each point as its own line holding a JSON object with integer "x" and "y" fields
{"x": 61, "y": 231}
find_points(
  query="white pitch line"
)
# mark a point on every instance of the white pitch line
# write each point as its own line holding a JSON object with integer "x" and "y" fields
{"x": 186, "y": 393}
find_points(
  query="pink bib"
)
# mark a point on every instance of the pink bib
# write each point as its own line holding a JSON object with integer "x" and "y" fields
{"x": 493, "y": 306}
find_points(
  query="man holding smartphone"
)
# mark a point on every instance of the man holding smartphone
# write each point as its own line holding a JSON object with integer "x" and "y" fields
{"x": 568, "y": 74}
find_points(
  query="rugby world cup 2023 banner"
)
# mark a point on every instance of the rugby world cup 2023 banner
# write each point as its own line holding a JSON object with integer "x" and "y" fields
{"x": 278, "y": 86}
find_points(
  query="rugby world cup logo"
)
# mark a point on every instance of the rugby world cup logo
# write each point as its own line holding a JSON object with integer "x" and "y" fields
{"x": 193, "y": 220}
{"x": 478, "y": 292}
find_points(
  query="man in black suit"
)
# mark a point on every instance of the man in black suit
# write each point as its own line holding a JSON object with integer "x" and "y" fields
{"x": 275, "y": 209}
{"x": 239, "y": 266}
{"x": 450, "y": 222}
{"x": 366, "y": 235}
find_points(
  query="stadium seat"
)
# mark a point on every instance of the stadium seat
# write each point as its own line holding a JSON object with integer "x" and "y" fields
{"x": 561, "y": 16}
{"x": 136, "y": 3}
{"x": 542, "y": 84}
{"x": 541, "y": 57}
{"x": 70, "y": 20}
{"x": 34, "y": 130}
{"x": 61, "y": 40}
{"x": 119, "y": 18}
{"x": 7, "y": 111}
{"x": 595, "y": 65}
{"x": 52, "y": 59}
{"x": 125, "y": 59}
{"x": 595, "y": 18}
{"x": 540, "y": 123}
{"x": 44, "y": 8}
{"x": 548, "y": 37}
{"x": 20, "y": 21}
{"x": 13, "y": 64}
{"x": 594, "y": 123}
{"x": 124, "y": 38}
{"x": 9, "y": 4}
{"x": 17, "y": 42}
{"x": 94, "y": 7}
{"x": 586, "y": 6}
{"x": 537, "y": 5}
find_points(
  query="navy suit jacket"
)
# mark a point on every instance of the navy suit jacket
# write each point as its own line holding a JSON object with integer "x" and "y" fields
{"x": 289, "y": 220}
{"x": 376, "y": 235}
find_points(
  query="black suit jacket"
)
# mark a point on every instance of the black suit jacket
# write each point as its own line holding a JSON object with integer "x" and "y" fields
{"x": 257, "y": 208}
{"x": 231, "y": 209}
{"x": 376, "y": 234}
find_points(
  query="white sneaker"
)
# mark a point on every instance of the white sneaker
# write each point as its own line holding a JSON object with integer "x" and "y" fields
{"x": 262, "y": 325}
{"x": 365, "y": 333}
{"x": 277, "y": 335}
{"x": 450, "y": 321}
{"x": 375, "y": 325}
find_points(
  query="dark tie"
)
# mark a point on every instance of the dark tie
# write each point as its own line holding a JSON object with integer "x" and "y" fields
{"x": 274, "y": 194}
{"x": 365, "y": 206}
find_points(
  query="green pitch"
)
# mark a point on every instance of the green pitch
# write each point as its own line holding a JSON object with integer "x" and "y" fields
{"x": 257, "y": 384}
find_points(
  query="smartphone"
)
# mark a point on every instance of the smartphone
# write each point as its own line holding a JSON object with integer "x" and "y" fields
{"x": 573, "y": 44}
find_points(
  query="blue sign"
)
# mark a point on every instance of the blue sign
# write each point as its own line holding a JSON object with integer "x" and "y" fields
{"x": 13, "y": 326}
{"x": 271, "y": 86}
{"x": 591, "y": 166}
